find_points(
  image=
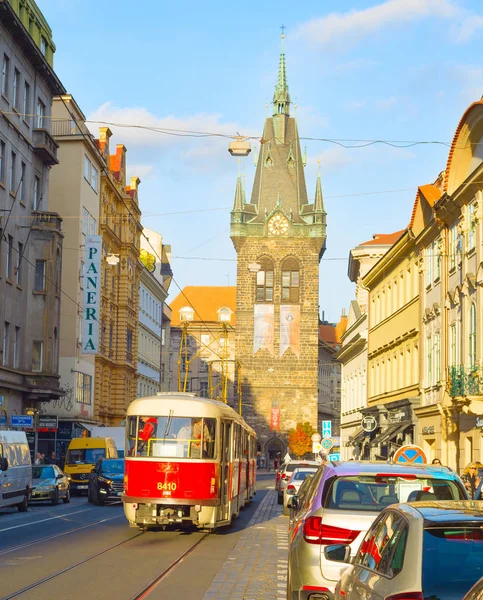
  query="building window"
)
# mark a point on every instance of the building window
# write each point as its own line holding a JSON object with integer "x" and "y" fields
{"x": 186, "y": 313}
{"x": 471, "y": 227}
{"x": 55, "y": 352}
{"x": 37, "y": 356}
{"x": 21, "y": 183}
{"x": 6, "y": 343}
{"x": 204, "y": 389}
{"x": 40, "y": 113}
{"x": 5, "y": 71}
{"x": 290, "y": 280}
{"x": 16, "y": 86}
{"x": 472, "y": 336}
{"x": 26, "y": 102}
{"x": 83, "y": 388}
{"x": 2, "y": 160}
{"x": 89, "y": 223}
{"x": 90, "y": 173}
{"x": 429, "y": 361}
{"x": 429, "y": 266}
{"x": 452, "y": 345}
{"x": 12, "y": 179}
{"x": 9, "y": 261}
{"x": 437, "y": 357}
{"x": 453, "y": 240}
{"x": 265, "y": 281}
{"x": 129, "y": 340}
{"x": 43, "y": 45}
{"x": 18, "y": 274}
{"x": 37, "y": 195}
{"x": 16, "y": 348}
{"x": 437, "y": 260}
{"x": 39, "y": 284}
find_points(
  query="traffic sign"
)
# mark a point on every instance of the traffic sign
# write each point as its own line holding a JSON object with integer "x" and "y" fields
{"x": 22, "y": 421}
{"x": 316, "y": 437}
{"x": 327, "y": 443}
{"x": 369, "y": 424}
{"x": 316, "y": 447}
{"x": 410, "y": 454}
{"x": 326, "y": 429}
{"x": 334, "y": 457}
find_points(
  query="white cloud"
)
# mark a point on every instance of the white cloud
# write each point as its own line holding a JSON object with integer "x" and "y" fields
{"x": 386, "y": 103}
{"x": 465, "y": 30}
{"x": 355, "y": 105}
{"x": 348, "y": 28}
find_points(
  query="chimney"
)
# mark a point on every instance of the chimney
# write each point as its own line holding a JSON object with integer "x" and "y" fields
{"x": 134, "y": 183}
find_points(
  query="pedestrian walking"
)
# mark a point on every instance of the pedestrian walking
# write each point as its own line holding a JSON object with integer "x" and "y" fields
{"x": 275, "y": 463}
{"x": 471, "y": 480}
{"x": 38, "y": 459}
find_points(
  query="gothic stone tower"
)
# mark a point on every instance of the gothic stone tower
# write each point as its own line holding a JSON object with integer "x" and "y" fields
{"x": 279, "y": 237}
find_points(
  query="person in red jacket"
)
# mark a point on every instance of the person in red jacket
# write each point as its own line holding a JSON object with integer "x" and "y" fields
{"x": 146, "y": 433}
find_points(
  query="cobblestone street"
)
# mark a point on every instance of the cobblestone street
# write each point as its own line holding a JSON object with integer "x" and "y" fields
{"x": 257, "y": 566}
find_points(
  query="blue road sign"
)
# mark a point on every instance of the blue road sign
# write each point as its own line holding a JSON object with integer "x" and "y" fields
{"x": 410, "y": 454}
{"x": 22, "y": 421}
{"x": 326, "y": 429}
{"x": 333, "y": 457}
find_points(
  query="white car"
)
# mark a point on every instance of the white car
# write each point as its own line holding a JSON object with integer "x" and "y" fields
{"x": 294, "y": 483}
{"x": 415, "y": 551}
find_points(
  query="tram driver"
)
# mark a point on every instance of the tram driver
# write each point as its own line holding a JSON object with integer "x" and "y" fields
{"x": 146, "y": 433}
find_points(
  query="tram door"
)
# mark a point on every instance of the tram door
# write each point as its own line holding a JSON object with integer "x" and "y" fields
{"x": 225, "y": 470}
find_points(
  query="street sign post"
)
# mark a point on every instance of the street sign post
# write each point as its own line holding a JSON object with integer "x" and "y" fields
{"x": 26, "y": 421}
{"x": 326, "y": 429}
{"x": 410, "y": 454}
{"x": 334, "y": 457}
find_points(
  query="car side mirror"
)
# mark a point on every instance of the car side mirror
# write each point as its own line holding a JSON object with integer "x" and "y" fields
{"x": 293, "y": 502}
{"x": 338, "y": 553}
{"x": 3, "y": 464}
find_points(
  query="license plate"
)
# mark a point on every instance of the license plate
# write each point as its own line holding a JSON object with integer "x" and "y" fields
{"x": 82, "y": 487}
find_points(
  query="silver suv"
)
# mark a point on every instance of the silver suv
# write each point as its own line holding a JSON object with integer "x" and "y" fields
{"x": 286, "y": 472}
{"x": 343, "y": 501}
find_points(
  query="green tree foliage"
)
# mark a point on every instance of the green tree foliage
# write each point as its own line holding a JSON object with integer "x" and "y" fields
{"x": 299, "y": 439}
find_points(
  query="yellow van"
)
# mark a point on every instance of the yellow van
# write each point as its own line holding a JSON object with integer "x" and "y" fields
{"x": 81, "y": 458}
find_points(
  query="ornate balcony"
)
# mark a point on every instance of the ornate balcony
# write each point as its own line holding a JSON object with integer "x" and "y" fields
{"x": 465, "y": 381}
{"x": 45, "y": 146}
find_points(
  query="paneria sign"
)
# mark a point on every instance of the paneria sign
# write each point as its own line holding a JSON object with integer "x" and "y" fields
{"x": 92, "y": 294}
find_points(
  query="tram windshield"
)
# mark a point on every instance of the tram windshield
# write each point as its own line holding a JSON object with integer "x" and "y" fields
{"x": 167, "y": 437}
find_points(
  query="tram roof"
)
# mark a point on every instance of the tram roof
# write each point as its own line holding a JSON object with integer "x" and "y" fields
{"x": 184, "y": 404}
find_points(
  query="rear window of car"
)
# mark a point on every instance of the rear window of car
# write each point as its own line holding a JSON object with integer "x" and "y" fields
{"x": 443, "y": 549}
{"x": 375, "y": 492}
{"x": 301, "y": 475}
{"x": 290, "y": 468}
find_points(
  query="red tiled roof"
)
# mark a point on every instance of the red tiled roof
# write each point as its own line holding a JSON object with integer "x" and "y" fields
{"x": 206, "y": 301}
{"x": 431, "y": 193}
{"x": 328, "y": 334}
{"x": 384, "y": 238}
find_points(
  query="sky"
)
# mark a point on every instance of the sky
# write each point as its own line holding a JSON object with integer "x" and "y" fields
{"x": 396, "y": 71}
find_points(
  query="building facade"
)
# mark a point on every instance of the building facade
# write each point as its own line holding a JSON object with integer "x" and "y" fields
{"x": 202, "y": 356}
{"x": 353, "y": 352}
{"x": 393, "y": 349}
{"x": 30, "y": 234}
{"x": 279, "y": 237}
{"x": 153, "y": 291}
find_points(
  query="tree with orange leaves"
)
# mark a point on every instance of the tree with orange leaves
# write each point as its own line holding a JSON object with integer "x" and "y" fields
{"x": 300, "y": 439}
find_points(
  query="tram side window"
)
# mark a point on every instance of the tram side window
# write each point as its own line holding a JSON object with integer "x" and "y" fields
{"x": 131, "y": 435}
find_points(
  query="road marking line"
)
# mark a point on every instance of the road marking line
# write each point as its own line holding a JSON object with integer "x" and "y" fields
{"x": 49, "y": 519}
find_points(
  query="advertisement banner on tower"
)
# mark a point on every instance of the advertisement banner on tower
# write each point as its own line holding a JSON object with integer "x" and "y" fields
{"x": 290, "y": 329}
{"x": 264, "y": 327}
{"x": 275, "y": 419}
{"x": 92, "y": 294}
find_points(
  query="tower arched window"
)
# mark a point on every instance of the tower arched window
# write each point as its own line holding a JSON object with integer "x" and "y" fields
{"x": 290, "y": 280}
{"x": 265, "y": 280}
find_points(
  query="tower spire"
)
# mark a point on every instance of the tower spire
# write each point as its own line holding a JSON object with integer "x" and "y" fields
{"x": 239, "y": 192}
{"x": 281, "y": 96}
{"x": 319, "y": 199}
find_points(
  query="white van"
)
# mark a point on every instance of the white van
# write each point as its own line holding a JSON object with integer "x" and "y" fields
{"x": 15, "y": 470}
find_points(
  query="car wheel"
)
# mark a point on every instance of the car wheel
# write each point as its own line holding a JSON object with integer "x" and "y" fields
{"x": 24, "y": 505}
{"x": 55, "y": 499}
{"x": 280, "y": 499}
{"x": 66, "y": 499}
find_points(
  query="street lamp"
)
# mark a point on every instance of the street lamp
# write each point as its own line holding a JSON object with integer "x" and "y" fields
{"x": 239, "y": 147}
{"x": 112, "y": 259}
{"x": 34, "y": 412}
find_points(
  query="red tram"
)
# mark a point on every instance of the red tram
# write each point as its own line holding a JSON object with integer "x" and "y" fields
{"x": 188, "y": 460}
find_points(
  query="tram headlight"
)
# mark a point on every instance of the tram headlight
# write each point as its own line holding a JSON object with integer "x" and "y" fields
{"x": 198, "y": 507}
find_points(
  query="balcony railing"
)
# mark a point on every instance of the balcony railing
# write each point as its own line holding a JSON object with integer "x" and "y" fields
{"x": 45, "y": 146}
{"x": 465, "y": 381}
{"x": 68, "y": 127}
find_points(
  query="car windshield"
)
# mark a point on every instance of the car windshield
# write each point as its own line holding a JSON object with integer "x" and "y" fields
{"x": 113, "y": 467}
{"x": 375, "y": 492}
{"x": 166, "y": 437}
{"x": 301, "y": 475}
{"x": 87, "y": 456}
{"x": 43, "y": 472}
{"x": 443, "y": 549}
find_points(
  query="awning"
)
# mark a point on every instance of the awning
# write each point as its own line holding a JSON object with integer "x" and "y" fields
{"x": 357, "y": 437}
{"x": 88, "y": 426}
{"x": 390, "y": 431}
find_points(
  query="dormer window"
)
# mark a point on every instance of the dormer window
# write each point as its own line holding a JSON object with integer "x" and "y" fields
{"x": 186, "y": 313}
{"x": 224, "y": 314}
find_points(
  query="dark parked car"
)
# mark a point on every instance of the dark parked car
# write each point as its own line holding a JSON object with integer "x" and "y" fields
{"x": 49, "y": 483}
{"x": 106, "y": 482}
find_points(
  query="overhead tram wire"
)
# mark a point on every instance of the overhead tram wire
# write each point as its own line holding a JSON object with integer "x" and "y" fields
{"x": 107, "y": 173}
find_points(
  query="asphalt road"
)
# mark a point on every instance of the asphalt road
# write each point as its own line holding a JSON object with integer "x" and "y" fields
{"x": 80, "y": 551}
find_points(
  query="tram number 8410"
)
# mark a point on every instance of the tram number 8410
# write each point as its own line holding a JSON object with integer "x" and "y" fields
{"x": 167, "y": 487}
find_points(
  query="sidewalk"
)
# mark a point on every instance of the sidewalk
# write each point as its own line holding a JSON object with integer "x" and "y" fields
{"x": 257, "y": 566}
